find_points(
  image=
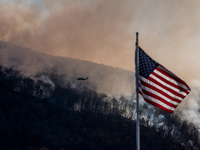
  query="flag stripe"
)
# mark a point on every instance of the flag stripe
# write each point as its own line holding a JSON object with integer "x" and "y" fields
{"x": 163, "y": 88}
{"x": 159, "y": 89}
{"x": 165, "y": 78}
{"x": 158, "y": 96}
{"x": 155, "y": 104}
{"x": 180, "y": 83}
{"x": 166, "y": 88}
{"x": 168, "y": 81}
{"x": 155, "y": 101}
{"x": 158, "y": 105}
{"x": 167, "y": 85}
{"x": 172, "y": 75}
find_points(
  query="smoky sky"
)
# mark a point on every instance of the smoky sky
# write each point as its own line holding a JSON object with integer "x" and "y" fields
{"x": 103, "y": 31}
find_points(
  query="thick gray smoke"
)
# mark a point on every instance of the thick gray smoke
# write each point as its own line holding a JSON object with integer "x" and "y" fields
{"x": 189, "y": 109}
{"x": 106, "y": 79}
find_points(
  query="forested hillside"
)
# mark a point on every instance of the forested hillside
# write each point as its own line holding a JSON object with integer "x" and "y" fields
{"x": 37, "y": 113}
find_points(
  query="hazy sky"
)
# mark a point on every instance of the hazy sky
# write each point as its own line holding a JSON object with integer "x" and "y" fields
{"x": 103, "y": 31}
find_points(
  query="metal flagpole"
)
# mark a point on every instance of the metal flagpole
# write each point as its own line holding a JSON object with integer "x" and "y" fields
{"x": 137, "y": 92}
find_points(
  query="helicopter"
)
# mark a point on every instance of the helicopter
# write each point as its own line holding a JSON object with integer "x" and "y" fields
{"x": 82, "y": 78}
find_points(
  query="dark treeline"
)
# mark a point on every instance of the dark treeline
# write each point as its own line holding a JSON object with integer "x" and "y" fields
{"x": 40, "y": 115}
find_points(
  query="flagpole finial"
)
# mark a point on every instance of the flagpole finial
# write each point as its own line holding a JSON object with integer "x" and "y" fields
{"x": 136, "y": 43}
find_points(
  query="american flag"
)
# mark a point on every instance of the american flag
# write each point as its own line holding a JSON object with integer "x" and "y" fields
{"x": 159, "y": 86}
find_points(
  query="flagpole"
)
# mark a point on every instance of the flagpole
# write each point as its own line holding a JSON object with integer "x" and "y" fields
{"x": 137, "y": 93}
